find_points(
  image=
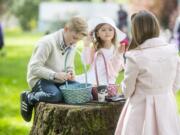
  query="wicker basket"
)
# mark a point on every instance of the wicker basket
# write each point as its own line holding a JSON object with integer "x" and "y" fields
{"x": 112, "y": 89}
{"x": 76, "y": 93}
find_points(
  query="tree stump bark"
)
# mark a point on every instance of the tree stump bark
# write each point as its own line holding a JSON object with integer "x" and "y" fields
{"x": 88, "y": 119}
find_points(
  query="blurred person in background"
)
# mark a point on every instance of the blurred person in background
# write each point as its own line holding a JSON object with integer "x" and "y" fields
{"x": 1, "y": 40}
{"x": 122, "y": 19}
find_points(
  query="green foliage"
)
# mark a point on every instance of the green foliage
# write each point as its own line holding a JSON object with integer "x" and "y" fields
{"x": 13, "y": 81}
{"x": 4, "y": 4}
{"x": 27, "y": 12}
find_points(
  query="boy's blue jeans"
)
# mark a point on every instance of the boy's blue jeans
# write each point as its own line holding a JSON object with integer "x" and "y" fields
{"x": 46, "y": 91}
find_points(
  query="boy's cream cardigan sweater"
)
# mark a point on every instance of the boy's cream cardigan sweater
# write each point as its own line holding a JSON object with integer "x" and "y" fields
{"x": 48, "y": 58}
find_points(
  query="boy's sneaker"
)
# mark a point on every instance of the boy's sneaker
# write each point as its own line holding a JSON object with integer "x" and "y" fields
{"x": 26, "y": 108}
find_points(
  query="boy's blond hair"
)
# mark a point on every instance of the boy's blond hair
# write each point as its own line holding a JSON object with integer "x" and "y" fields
{"x": 78, "y": 25}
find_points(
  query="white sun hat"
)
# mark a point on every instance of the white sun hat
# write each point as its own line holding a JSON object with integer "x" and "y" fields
{"x": 92, "y": 23}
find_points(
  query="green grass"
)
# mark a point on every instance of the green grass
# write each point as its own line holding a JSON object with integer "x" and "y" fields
{"x": 18, "y": 50}
{"x": 13, "y": 81}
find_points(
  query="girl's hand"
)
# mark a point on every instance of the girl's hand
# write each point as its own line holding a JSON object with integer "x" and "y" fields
{"x": 122, "y": 48}
{"x": 88, "y": 40}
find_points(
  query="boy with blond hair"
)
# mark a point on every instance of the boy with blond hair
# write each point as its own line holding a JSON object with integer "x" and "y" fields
{"x": 46, "y": 67}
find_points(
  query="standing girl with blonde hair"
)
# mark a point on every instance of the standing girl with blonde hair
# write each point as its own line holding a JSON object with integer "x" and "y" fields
{"x": 151, "y": 79}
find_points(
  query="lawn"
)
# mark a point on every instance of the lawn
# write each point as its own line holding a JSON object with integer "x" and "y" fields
{"x": 18, "y": 50}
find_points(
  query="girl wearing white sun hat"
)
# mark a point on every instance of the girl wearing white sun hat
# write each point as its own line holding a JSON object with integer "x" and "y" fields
{"x": 103, "y": 36}
{"x": 92, "y": 23}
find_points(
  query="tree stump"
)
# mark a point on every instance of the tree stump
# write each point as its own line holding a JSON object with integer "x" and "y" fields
{"x": 88, "y": 119}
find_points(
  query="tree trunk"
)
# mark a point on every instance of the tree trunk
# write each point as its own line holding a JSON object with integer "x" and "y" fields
{"x": 88, "y": 119}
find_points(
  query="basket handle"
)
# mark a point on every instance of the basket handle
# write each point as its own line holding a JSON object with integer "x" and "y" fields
{"x": 105, "y": 63}
{"x": 84, "y": 67}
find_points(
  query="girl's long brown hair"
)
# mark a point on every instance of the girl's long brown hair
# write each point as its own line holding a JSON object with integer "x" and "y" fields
{"x": 144, "y": 26}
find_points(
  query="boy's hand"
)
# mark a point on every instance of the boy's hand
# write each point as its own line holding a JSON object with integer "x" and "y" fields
{"x": 63, "y": 76}
{"x": 71, "y": 76}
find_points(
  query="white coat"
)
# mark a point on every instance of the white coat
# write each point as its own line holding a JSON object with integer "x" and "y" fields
{"x": 152, "y": 75}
